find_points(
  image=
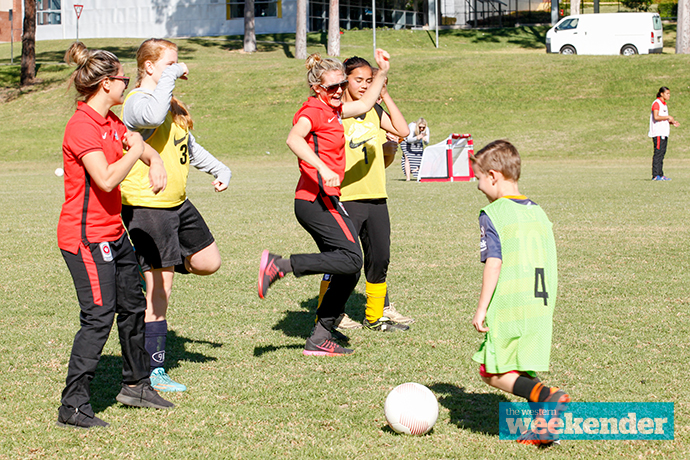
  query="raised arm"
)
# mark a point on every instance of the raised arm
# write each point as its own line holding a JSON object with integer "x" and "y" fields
{"x": 299, "y": 146}
{"x": 394, "y": 121}
{"x": 147, "y": 109}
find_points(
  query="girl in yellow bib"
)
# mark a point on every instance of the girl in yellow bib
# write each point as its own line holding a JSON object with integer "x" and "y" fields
{"x": 166, "y": 229}
{"x": 363, "y": 193}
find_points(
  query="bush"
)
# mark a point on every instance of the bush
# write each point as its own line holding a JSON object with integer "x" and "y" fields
{"x": 637, "y": 5}
{"x": 668, "y": 9}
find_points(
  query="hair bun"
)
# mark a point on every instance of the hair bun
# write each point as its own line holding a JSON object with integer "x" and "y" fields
{"x": 77, "y": 54}
{"x": 313, "y": 60}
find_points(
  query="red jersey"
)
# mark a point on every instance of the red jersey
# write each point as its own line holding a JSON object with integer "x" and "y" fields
{"x": 89, "y": 214}
{"x": 327, "y": 139}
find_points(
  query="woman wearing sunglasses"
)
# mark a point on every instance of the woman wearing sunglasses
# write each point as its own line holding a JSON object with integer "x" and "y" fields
{"x": 166, "y": 229}
{"x": 93, "y": 241}
{"x": 318, "y": 141}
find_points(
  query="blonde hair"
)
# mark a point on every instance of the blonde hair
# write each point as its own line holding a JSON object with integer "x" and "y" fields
{"x": 93, "y": 66}
{"x": 317, "y": 66}
{"x": 501, "y": 156}
{"x": 416, "y": 128}
{"x": 152, "y": 50}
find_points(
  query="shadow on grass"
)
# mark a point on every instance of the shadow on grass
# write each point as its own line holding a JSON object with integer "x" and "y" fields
{"x": 108, "y": 379}
{"x": 530, "y": 37}
{"x": 477, "y": 412}
{"x": 264, "y": 43}
{"x": 300, "y": 323}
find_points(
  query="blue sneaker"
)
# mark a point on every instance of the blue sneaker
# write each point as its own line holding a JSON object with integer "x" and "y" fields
{"x": 657, "y": 178}
{"x": 162, "y": 382}
{"x": 665, "y": 178}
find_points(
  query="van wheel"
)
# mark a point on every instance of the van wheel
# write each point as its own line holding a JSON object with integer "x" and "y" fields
{"x": 567, "y": 49}
{"x": 628, "y": 50}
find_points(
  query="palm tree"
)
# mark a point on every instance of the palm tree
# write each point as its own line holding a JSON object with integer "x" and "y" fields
{"x": 301, "y": 30}
{"x": 683, "y": 30}
{"x": 249, "y": 32}
{"x": 334, "y": 28}
{"x": 28, "y": 70}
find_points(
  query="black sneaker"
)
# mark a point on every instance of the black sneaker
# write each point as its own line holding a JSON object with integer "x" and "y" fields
{"x": 269, "y": 273}
{"x": 142, "y": 395}
{"x": 384, "y": 324}
{"x": 69, "y": 418}
{"x": 327, "y": 348}
{"x": 339, "y": 336}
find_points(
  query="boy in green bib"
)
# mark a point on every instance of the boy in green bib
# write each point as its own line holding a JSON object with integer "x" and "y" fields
{"x": 519, "y": 283}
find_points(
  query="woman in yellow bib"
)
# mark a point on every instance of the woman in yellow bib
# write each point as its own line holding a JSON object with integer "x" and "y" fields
{"x": 363, "y": 193}
{"x": 167, "y": 231}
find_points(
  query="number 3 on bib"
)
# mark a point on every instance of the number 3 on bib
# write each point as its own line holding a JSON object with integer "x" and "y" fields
{"x": 540, "y": 282}
{"x": 183, "y": 154}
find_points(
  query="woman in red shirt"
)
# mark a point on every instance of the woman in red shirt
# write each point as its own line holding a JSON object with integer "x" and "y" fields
{"x": 318, "y": 141}
{"x": 92, "y": 239}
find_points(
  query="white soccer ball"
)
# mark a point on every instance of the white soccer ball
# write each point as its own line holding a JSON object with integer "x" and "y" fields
{"x": 59, "y": 172}
{"x": 411, "y": 408}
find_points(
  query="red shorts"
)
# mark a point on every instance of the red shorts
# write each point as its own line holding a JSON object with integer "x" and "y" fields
{"x": 483, "y": 373}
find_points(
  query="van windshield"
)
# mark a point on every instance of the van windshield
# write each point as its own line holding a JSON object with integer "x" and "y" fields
{"x": 568, "y": 24}
{"x": 657, "y": 22}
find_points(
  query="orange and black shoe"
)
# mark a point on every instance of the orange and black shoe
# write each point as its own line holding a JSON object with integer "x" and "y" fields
{"x": 269, "y": 272}
{"x": 546, "y": 439}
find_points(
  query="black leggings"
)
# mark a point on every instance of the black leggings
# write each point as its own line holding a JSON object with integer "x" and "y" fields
{"x": 660, "y": 144}
{"x": 327, "y": 222}
{"x": 107, "y": 283}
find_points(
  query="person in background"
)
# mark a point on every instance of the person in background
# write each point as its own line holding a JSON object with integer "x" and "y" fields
{"x": 413, "y": 147}
{"x": 659, "y": 130}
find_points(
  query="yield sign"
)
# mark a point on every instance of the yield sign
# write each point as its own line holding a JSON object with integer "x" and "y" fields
{"x": 77, "y": 9}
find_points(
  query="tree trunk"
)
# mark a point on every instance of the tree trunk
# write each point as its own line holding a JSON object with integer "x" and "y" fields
{"x": 683, "y": 28}
{"x": 574, "y": 7}
{"x": 249, "y": 32}
{"x": 334, "y": 28}
{"x": 28, "y": 70}
{"x": 301, "y": 30}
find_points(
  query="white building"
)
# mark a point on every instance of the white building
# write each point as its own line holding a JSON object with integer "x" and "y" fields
{"x": 57, "y": 19}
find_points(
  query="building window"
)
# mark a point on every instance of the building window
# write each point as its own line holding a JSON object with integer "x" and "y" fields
{"x": 48, "y": 12}
{"x": 262, "y": 9}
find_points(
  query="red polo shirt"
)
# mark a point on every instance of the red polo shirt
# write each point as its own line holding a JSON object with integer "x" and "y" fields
{"x": 89, "y": 214}
{"x": 327, "y": 139}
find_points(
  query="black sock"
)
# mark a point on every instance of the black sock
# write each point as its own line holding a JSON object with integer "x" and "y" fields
{"x": 531, "y": 390}
{"x": 284, "y": 265}
{"x": 156, "y": 332}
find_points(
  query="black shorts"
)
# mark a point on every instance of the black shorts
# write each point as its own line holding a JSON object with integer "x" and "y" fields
{"x": 163, "y": 237}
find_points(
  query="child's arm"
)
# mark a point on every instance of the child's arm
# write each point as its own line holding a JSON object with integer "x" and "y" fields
{"x": 492, "y": 268}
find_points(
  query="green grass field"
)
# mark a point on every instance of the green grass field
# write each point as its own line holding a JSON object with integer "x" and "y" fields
{"x": 622, "y": 319}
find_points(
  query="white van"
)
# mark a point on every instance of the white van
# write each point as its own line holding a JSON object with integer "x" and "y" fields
{"x": 610, "y": 33}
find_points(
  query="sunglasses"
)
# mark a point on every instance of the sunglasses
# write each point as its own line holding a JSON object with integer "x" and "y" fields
{"x": 334, "y": 87}
{"x": 125, "y": 80}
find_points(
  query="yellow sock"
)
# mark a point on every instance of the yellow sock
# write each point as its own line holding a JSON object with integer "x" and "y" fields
{"x": 322, "y": 291}
{"x": 376, "y": 298}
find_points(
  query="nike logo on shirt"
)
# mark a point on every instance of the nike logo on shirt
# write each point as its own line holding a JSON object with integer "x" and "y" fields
{"x": 358, "y": 144}
{"x": 177, "y": 141}
{"x": 331, "y": 119}
{"x": 105, "y": 135}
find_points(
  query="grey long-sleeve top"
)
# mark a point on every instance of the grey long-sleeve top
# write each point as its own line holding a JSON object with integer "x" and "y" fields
{"x": 146, "y": 110}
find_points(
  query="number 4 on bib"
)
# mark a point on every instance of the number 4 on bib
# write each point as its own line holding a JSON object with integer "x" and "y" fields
{"x": 540, "y": 281}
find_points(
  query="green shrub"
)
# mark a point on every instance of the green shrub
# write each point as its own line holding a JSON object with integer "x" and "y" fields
{"x": 668, "y": 8}
{"x": 637, "y": 5}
